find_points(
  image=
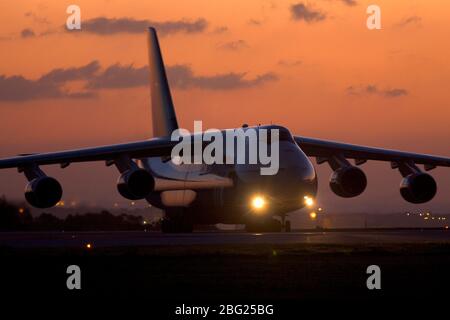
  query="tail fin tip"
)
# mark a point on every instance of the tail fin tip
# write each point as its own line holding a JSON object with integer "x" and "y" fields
{"x": 163, "y": 112}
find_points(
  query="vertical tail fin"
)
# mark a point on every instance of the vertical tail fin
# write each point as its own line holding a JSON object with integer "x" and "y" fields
{"x": 163, "y": 114}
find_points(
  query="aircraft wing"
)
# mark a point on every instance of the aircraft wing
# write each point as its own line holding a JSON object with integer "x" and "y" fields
{"x": 326, "y": 149}
{"x": 156, "y": 147}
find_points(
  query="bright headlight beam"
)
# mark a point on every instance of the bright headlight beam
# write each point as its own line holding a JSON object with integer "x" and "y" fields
{"x": 309, "y": 202}
{"x": 258, "y": 202}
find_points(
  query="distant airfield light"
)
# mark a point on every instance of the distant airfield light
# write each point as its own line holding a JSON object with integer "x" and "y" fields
{"x": 88, "y": 246}
{"x": 313, "y": 215}
{"x": 446, "y": 227}
{"x": 308, "y": 201}
{"x": 145, "y": 222}
{"x": 133, "y": 203}
{"x": 258, "y": 202}
{"x": 320, "y": 209}
{"x": 21, "y": 210}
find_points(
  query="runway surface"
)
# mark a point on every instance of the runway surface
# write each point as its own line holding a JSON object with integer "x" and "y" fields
{"x": 142, "y": 239}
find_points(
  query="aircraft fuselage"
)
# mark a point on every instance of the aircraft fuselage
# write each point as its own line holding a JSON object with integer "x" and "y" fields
{"x": 224, "y": 192}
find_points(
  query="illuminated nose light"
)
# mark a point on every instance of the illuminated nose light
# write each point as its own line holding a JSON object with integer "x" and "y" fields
{"x": 258, "y": 202}
{"x": 309, "y": 202}
{"x": 313, "y": 215}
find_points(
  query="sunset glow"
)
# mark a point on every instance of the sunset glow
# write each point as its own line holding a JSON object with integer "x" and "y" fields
{"x": 328, "y": 77}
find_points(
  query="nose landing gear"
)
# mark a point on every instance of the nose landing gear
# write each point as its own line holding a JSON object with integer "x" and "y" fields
{"x": 285, "y": 224}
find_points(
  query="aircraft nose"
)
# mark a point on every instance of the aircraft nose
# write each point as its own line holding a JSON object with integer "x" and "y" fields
{"x": 286, "y": 189}
{"x": 294, "y": 183}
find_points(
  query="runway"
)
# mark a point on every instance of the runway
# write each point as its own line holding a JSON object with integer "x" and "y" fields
{"x": 228, "y": 266}
{"x": 145, "y": 239}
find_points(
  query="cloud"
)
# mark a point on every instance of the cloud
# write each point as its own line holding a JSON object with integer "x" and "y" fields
{"x": 53, "y": 85}
{"x": 413, "y": 20}
{"x": 37, "y": 18}
{"x": 234, "y": 45}
{"x": 180, "y": 77}
{"x": 374, "y": 90}
{"x": 254, "y": 22}
{"x": 109, "y": 26}
{"x": 27, "y": 33}
{"x": 393, "y": 93}
{"x": 70, "y": 74}
{"x": 350, "y": 3}
{"x": 306, "y": 13}
{"x": 221, "y": 29}
{"x": 119, "y": 76}
{"x": 18, "y": 88}
{"x": 50, "y": 85}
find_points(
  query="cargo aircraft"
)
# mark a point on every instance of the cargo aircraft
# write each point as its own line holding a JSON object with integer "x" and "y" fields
{"x": 224, "y": 193}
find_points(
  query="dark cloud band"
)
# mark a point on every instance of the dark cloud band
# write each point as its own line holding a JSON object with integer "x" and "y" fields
{"x": 374, "y": 90}
{"x": 52, "y": 85}
{"x": 109, "y": 26}
{"x": 49, "y": 85}
{"x": 180, "y": 77}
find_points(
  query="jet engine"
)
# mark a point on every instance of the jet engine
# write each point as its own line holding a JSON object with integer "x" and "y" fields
{"x": 43, "y": 192}
{"x": 348, "y": 181}
{"x": 418, "y": 187}
{"x": 135, "y": 184}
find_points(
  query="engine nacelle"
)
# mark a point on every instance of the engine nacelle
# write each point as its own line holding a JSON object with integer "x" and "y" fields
{"x": 348, "y": 182}
{"x": 418, "y": 187}
{"x": 135, "y": 184}
{"x": 43, "y": 192}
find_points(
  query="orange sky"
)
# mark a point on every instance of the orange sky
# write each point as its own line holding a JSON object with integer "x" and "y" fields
{"x": 315, "y": 63}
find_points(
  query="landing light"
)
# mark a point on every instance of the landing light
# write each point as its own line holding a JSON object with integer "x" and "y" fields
{"x": 309, "y": 202}
{"x": 313, "y": 215}
{"x": 258, "y": 202}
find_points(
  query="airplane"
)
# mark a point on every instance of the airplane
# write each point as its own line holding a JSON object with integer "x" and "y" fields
{"x": 222, "y": 193}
